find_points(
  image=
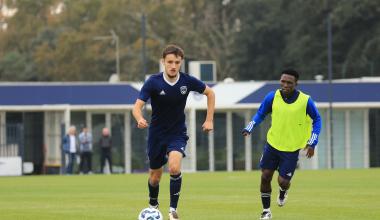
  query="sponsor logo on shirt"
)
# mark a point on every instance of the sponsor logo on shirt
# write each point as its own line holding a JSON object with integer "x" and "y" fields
{"x": 162, "y": 92}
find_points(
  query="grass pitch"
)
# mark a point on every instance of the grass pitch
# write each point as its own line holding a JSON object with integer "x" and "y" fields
{"x": 326, "y": 194}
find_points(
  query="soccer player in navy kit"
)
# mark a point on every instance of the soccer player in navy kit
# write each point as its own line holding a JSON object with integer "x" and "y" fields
{"x": 167, "y": 136}
{"x": 292, "y": 112}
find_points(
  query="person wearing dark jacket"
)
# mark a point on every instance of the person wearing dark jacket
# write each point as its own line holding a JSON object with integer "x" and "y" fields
{"x": 105, "y": 144}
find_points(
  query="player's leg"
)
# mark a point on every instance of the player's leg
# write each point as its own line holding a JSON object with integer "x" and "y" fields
{"x": 268, "y": 163}
{"x": 154, "y": 186}
{"x": 176, "y": 151}
{"x": 266, "y": 190}
{"x": 265, "y": 186}
{"x": 174, "y": 163}
{"x": 157, "y": 159}
{"x": 283, "y": 191}
{"x": 287, "y": 167}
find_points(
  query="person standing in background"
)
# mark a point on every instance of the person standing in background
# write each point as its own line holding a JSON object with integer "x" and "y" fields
{"x": 105, "y": 144}
{"x": 85, "y": 147}
{"x": 70, "y": 145}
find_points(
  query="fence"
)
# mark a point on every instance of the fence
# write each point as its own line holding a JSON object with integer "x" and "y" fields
{"x": 11, "y": 150}
{"x": 12, "y": 140}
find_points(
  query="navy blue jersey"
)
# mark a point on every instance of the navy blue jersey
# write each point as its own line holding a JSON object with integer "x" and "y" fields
{"x": 169, "y": 101}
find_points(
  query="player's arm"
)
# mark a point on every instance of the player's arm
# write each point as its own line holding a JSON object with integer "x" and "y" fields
{"x": 264, "y": 109}
{"x": 143, "y": 97}
{"x": 137, "y": 114}
{"x": 312, "y": 111}
{"x": 208, "y": 125}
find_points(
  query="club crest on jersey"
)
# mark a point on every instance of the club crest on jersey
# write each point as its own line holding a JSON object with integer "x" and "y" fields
{"x": 183, "y": 90}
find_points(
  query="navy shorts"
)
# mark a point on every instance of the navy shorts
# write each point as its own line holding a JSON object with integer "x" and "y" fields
{"x": 284, "y": 162}
{"x": 159, "y": 148}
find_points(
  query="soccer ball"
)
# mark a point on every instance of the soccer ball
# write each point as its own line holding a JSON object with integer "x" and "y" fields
{"x": 150, "y": 214}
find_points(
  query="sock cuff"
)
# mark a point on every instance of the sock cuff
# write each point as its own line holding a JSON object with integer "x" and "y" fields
{"x": 265, "y": 194}
{"x": 176, "y": 177}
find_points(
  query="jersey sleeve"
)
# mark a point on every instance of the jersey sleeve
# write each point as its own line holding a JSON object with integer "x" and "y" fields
{"x": 312, "y": 111}
{"x": 264, "y": 109}
{"x": 196, "y": 85}
{"x": 146, "y": 90}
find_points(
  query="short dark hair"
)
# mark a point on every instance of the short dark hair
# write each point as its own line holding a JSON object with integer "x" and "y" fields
{"x": 291, "y": 72}
{"x": 173, "y": 49}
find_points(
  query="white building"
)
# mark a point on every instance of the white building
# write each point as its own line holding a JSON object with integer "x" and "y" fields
{"x": 33, "y": 117}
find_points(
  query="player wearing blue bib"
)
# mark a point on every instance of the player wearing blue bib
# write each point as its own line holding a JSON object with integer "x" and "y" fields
{"x": 296, "y": 124}
{"x": 167, "y": 135}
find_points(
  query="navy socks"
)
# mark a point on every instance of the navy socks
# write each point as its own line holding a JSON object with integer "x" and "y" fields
{"x": 175, "y": 189}
{"x": 265, "y": 199}
{"x": 153, "y": 194}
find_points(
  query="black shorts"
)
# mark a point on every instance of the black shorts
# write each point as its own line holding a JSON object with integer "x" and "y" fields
{"x": 159, "y": 148}
{"x": 284, "y": 162}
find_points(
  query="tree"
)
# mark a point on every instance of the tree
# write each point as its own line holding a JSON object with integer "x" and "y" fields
{"x": 16, "y": 58}
{"x": 53, "y": 40}
{"x": 207, "y": 32}
{"x": 262, "y": 39}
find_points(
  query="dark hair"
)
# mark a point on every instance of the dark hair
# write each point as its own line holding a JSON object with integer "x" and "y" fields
{"x": 173, "y": 49}
{"x": 291, "y": 72}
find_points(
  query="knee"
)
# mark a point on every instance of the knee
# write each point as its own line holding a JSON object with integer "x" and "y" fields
{"x": 174, "y": 169}
{"x": 266, "y": 179}
{"x": 154, "y": 180}
{"x": 283, "y": 183}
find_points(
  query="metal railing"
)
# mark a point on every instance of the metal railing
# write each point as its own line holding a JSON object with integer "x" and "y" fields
{"x": 12, "y": 140}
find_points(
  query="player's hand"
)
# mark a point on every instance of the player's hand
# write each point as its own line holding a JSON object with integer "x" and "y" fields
{"x": 142, "y": 123}
{"x": 208, "y": 126}
{"x": 309, "y": 151}
{"x": 245, "y": 132}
